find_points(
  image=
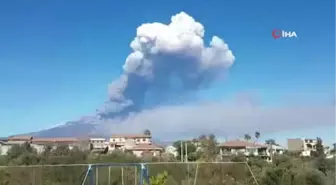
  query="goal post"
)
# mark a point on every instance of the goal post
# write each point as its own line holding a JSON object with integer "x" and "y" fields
{"x": 185, "y": 173}
{"x": 92, "y": 174}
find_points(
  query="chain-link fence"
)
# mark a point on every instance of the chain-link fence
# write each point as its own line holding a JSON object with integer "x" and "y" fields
{"x": 42, "y": 175}
{"x": 177, "y": 174}
{"x": 225, "y": 173}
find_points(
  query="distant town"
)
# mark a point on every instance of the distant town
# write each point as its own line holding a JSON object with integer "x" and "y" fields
{"x": 142, "y": 144}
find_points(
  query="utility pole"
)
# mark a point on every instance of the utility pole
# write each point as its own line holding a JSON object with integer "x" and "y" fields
{"x": 186, "y": 159}
{"x": 271, "y": 152}
{"x": 186, "y": 151}
{"x": 181, "y": 151}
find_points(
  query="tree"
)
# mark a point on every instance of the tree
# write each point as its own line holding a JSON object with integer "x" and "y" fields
{"x": 2, "y": 160}
{"x": 285, "y": 169}
{"x": 147, "y": 132}
{"x": 309, "y": 177}
{"x": 319, "y": 148}
{"x": 247, "y": 137}
{"x": 208, "y": 145}
{"x": 257, "y": 135}
{"x": 273, "y": 176}
{"x": 332, "y": 151}
{"x": 239, "y": 158}
{"x": 270, "y": 142}
{"x": 106, "y": 149}
{"x": 159, "y": 179}
{"x": 191, "y": 149}
{"x": 321, "y": 164}
{"x": 17, "y": 150}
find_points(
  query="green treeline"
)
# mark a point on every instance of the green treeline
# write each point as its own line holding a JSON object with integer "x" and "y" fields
{"x": 286, "y": 169}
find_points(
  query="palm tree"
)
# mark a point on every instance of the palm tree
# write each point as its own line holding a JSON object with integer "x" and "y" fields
{"x": 257, "y": 136}
{"x": 247, "y": 137}
{"x": 147, "y": 132}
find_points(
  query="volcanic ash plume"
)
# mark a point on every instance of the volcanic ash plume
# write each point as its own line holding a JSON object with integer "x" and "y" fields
{"x": 167, "y": 61}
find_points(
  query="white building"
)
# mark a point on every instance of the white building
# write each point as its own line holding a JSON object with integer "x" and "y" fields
{"x": 4, "y": 148}
{"x": 329, "y": 152}
{"x": 141, "y": 150}
{"x": 307, "y": 147}
{"x": 248, "y": 149}
{"x": 275, "y": 150}
{"x": 99, "y": 144}
{"x": 138, "y": 144}
{"x": 39, "y": 144}
{"x": 236, "y": 147}
{"x": 119, "y": 140}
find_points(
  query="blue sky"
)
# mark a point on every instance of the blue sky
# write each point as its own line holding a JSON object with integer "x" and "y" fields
{"x": 57, "y": 57}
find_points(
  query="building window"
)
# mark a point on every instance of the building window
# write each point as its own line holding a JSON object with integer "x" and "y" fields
{"x": 144, "y": 139}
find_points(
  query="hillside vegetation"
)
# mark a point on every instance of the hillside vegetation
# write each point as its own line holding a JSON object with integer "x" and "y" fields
{"x": 286, "y": 169}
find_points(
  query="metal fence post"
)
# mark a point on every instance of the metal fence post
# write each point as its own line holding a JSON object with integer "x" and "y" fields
{"x": 141, "y": 174}
{"x": 91, "y": 176}
{"x": 97, "y": 176}
{"x": 109, "y": 176}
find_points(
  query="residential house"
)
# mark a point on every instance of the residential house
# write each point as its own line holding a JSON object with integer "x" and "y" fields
{"x": 118, "y": 141}
{"x": 99, "y": 144}
{"x": 7, "y": 143}
{"x": 236, "y": 147}
{"x": 329, "y": 153}
{"x": 21, "y": 138}
{"x": 303, "y": 145}
{"x": 41, "y": 143}
{"x": 4, "y": 147}
{"x": 146, "y": 150}
{"x": 138, "y": 144}
{"x": 275, "y": 150}
{"x": 240, "y": 147}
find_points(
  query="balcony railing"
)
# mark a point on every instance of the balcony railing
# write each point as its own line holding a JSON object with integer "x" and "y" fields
{"x": 228, "y": 153}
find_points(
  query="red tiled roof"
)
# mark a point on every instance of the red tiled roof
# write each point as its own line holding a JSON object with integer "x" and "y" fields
{"x": 146, "y": 147}
{"x": 25, "y": 138}
{"x": 131, "y": 136}
{"x": 54, "y": 140}
{"x": 240, "y": 143}
{"x": 61, "y": 139}
{"x": 43, "y": 140}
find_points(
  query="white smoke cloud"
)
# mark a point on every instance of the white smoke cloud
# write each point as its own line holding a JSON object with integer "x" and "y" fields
{"x": 164, "y": 53}
{"x": 171, "y": 59}
{"x": 182, "y": 37}
{"x": 222, "y": 119}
